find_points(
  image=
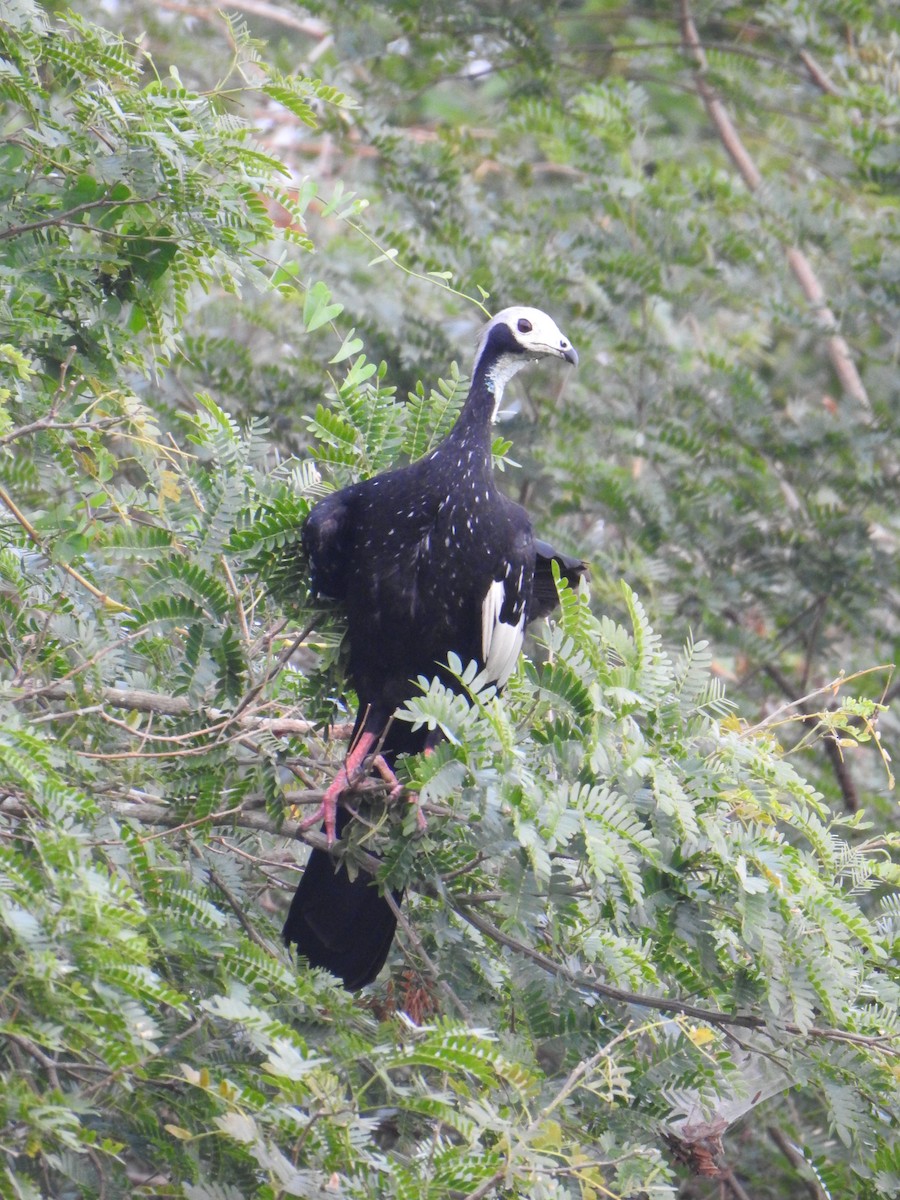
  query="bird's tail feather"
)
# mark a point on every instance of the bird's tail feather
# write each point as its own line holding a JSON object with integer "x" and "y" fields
{"x": 340, "y": 924}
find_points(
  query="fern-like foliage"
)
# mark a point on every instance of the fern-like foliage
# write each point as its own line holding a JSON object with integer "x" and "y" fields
{"x": 635, "y": 904}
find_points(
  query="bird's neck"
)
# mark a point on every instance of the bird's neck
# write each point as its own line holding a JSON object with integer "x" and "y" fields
{"x": 489, "y": 378}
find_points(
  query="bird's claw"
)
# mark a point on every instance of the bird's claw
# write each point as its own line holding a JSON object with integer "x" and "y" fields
{"x": 327, "y": 810}
{"x": 345, "y": 779}
{"x": 385, "y": 771}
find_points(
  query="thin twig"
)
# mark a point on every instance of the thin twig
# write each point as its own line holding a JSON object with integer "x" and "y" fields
{"x": 283, "y": 658}
{"x": 46, "y": 425}
{"x": 243, "y": 920}
{"x": 62, "y": 218}
{"x": 812, "y": 720}
{"x": 817, "y": 74}
{"x": 107, "y": 601}
{"x": 830, "y": 688}
{"x": 730, "y": 1180}
{"x": 236, "y": 596}
{"x": 488, "y": 1185}
{"x": 49, "y": 1064}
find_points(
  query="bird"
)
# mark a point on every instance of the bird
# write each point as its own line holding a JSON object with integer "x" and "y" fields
{"x": 426, "y": 560}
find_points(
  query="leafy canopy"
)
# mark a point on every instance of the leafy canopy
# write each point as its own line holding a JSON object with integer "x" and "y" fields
{"x": 631, "y": 917}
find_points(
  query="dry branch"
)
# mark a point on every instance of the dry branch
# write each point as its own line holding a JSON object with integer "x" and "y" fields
{"x": 133, "y": 700}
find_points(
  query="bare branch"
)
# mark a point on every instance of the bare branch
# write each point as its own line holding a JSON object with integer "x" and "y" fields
{"x": 134, "y": 700}
{"x": 801, "y": 268}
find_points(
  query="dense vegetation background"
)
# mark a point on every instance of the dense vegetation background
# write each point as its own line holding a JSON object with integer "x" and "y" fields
{"x": 650, "y": 947}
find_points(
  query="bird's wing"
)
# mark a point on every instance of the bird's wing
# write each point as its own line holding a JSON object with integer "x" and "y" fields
{"x": 544, "y": 597}
{"x": 326, "y": 541}
{"x": 502, "y": 632}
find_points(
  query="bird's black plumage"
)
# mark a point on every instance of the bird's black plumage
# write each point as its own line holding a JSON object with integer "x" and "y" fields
{"x": 427, "y": 560}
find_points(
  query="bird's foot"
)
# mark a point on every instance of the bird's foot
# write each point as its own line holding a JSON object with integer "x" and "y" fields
{"x": 354, "y": 766}
{"x": 327, "y": 810}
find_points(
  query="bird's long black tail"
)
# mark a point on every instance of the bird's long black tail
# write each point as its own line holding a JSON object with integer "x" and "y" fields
{"x": 340, "y": 924}
{"x": 344, "y": 925}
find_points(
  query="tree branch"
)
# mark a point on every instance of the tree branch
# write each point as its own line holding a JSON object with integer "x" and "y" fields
{"x": 107, "y": 601}
{"x": 55, "y": 426}
{"x": 416, "y": 942}
{"x": 839, "y": 764}
{"x": 61, "y": 218}
{"x": 817, "y": 74}
{"x": 135, "y": 700}
{"x": 801, "y": 268}
{"x": 661, "y": 1003}
{"x": 310, "y": 26}
{"x": 159, "y": 814}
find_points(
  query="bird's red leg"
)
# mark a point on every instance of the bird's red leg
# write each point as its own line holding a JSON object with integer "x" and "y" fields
{"x": 353, "y": 763}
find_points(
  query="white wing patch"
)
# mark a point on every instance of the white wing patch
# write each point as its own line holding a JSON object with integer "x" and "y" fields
{"x": 500, "y": 641}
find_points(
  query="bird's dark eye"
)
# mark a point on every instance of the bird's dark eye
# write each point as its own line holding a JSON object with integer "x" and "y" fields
{"x": 524, "y": 325}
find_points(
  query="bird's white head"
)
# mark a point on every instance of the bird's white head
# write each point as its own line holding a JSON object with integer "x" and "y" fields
{"x": 513, "y": 338}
